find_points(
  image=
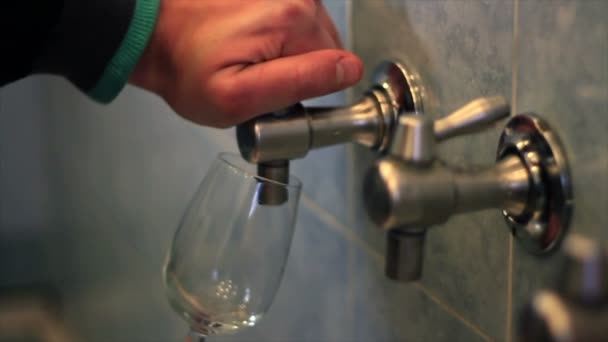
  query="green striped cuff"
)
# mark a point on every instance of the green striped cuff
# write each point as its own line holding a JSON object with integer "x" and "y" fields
{"x": 117, "y": 73}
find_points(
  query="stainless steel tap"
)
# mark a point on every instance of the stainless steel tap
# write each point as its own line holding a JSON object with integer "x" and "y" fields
{"x": 575, "y": 307}
{"x": 411, "y": 188}
{"x": 272, "y": 140}
{"x": 409, "y": 191}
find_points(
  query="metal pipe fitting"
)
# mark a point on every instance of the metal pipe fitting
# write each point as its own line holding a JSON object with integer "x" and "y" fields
{"x": 409, "y": 190}
{"x": 575, "y": 307}
{"x": 293, "y": 133}
{"x": 404, "y": 254}
{"x": 397, "y": 194}
{"x": 272, "y": 191}
{"x": 272, "y": 140}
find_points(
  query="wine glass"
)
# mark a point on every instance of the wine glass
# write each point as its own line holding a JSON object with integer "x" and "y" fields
{"x": 229, "y": 252}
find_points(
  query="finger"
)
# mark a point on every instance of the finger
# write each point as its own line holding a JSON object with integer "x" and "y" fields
{"x": 279, "y": 83}
{"x": 328, "y": 24}
{"x": 320, "y": 40}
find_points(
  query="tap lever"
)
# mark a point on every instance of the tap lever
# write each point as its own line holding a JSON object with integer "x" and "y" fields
{"x": 472, "y": 117}
{"x": 415, "y": 137}
{"x": 280, "y": 135}
{"x": 414, "y": 140}
{"x": 291, "y": 133}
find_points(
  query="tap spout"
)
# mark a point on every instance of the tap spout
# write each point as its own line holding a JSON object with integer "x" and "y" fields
{"x": 404, "y": 254}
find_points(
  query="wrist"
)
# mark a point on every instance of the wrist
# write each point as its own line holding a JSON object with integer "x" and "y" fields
{"x": 125, "y": 59}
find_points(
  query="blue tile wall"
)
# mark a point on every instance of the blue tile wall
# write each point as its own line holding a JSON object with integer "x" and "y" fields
{"x": 462, "y": 49}
{"x": 557, "y": 66}
{"x": 563, "y": 76}
{"x": 25, "y": 212}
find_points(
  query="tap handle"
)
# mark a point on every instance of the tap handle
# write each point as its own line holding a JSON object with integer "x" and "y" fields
{"x": 264, "y": 138}
{"x": 415, "y": 136}
{"x": 472, "y": 117}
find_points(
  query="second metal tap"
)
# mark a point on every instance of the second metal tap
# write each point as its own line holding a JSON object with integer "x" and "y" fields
{"x": 411, "y": 188}
{"x": 410, "y": 191}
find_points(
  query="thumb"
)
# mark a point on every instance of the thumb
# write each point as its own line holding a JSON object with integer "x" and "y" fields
{"x": 281, "y": 82}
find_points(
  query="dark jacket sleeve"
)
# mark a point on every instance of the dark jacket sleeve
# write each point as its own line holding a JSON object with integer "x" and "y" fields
{"x": 24, "y": 27}
{"x": 72, "y": 38}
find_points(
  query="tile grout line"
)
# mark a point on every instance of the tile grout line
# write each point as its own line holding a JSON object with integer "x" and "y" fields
{"x": 432, "y": 296}
{"x": 334, "y": 224}
{"x": 515, "y": 58}
{"x": 514, "y": 85}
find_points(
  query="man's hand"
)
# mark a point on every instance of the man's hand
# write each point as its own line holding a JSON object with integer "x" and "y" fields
{"x": 219, "y": 63}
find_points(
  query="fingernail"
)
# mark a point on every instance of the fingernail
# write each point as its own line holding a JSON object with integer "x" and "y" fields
{"x": 347, "y": 71}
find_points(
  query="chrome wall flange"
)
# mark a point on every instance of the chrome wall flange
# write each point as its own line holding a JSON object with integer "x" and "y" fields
{"x": 541, "y": 226}
{"x": 398, "y": 89}
{"x": 403, "y": 85}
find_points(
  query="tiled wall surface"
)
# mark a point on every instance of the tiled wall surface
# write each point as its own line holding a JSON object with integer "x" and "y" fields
{"x": 463, "y": 50}
{"x": 25, "y": 212}
{"x": 550, "y": 57}
{"x": 112, "y": 182}
{"x": 562, "y": 74}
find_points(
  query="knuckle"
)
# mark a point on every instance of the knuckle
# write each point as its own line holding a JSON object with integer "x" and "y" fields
{"x": 228, "y": 99}
{"x": 296, "y": 10}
